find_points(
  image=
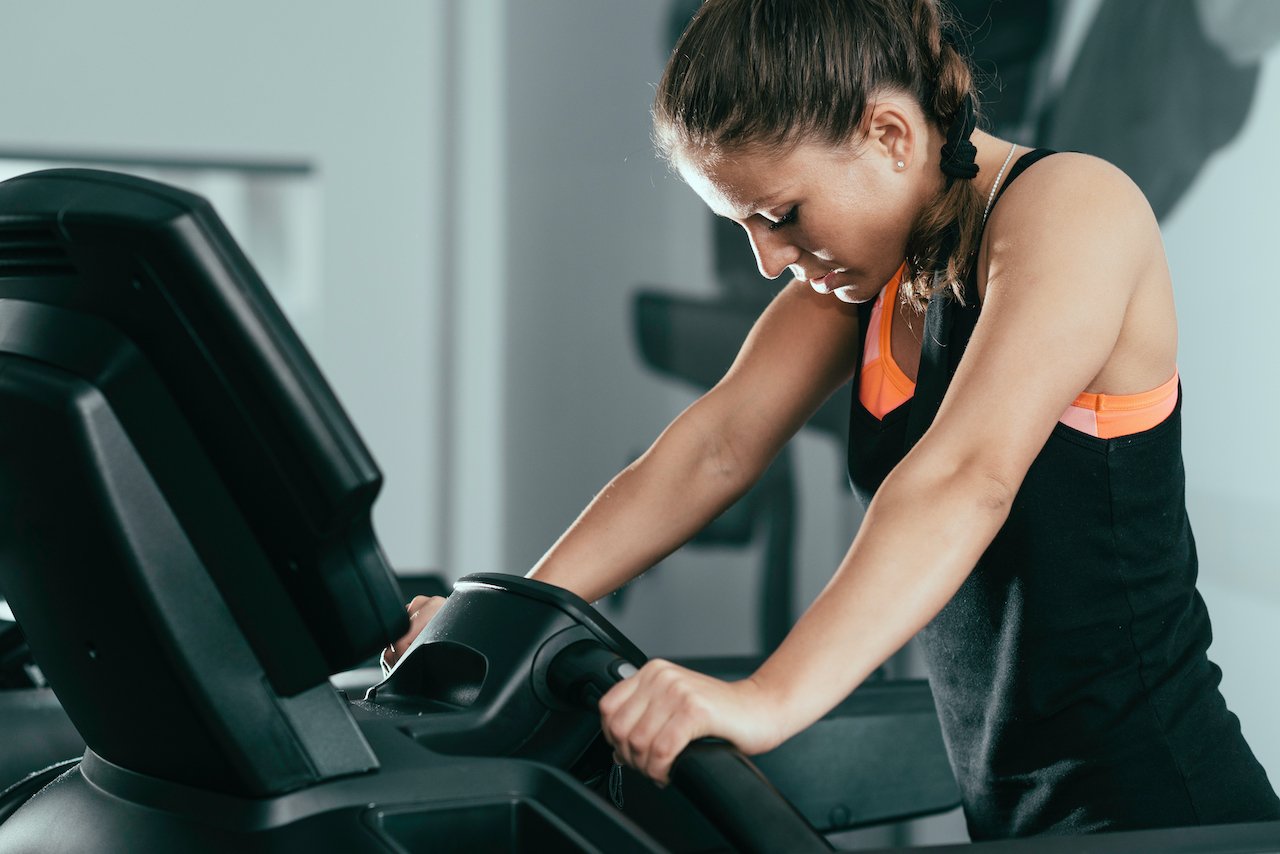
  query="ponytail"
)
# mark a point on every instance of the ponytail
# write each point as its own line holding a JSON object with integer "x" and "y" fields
{"x": 943, "y": 243}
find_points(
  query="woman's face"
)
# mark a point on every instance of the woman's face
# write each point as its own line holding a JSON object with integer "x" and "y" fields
{"x": 838, "y": 218}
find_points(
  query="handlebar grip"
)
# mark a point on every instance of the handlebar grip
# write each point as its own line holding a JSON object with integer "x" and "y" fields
{"x": 584, "y": 671}
{"x": 741, "y": 802}
{"x": 713, "y": 775}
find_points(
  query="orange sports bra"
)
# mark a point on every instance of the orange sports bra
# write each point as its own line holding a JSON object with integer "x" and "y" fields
{"x": 883, "y": 387}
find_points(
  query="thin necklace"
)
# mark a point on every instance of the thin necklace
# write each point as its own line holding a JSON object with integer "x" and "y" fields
{"x": 991, "y": 198}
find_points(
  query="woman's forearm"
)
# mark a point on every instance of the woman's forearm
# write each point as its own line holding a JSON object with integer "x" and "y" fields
{"x": 655, "y": 505}
{"x": 922, "y": 535}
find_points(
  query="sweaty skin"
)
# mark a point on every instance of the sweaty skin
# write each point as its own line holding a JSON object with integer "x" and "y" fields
{"x": 1076, "y": 297}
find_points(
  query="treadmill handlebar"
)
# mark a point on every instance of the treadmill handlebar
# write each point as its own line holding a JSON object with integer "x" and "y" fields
{"x": 714, "y": 775}
{"x": 583, "y": 672}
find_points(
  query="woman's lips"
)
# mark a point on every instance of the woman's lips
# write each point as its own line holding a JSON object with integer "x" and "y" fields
{"x": 826, "y": 285}
{"x": 823, "y": 285}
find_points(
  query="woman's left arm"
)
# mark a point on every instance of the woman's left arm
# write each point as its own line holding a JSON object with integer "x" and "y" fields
{"x": 1067, "y": 246}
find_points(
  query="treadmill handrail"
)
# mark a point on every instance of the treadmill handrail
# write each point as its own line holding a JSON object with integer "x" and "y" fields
{"x": 714, "y": 775}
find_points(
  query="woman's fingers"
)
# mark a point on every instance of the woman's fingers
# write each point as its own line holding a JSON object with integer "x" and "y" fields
{"x": 421, "y": 609}
{"x": 653, "y": 716}
{"x": 620, "y": 710}
{"x": 691, "y": 718}
{"x": 664, "y": 683}
{"x": 650, "y": 718}
{"x": 653, "y": 738}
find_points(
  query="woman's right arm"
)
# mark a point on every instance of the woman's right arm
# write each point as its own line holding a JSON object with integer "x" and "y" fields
{"x": 800, "y": 350}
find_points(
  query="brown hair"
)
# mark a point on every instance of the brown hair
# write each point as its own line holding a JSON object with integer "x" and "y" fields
{"x": 764, "y": 74}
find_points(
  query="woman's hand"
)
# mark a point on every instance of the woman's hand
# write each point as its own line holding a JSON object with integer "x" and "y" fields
{"x": 421, "y": 610}
{"x": 652, "y": 716}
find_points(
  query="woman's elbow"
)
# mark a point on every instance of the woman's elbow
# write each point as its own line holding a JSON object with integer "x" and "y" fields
{"x": 994, "y": 490}
{"x": 982, "y": 484}
{"x": 726, "y": 464}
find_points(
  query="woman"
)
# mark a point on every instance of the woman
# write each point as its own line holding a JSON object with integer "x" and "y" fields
{"x": 1025, "y": 502}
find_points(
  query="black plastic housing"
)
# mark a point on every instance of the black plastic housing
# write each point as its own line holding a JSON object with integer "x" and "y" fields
{"x": 188, "y": 506}
{"x": 152, "y": 294}
{"x": 477, "y": 679}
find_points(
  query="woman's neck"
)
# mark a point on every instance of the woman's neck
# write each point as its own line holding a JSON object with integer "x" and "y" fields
{"x": 993, "y": 153}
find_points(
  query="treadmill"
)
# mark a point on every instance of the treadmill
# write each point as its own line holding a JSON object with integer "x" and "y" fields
{"x": 190, "y": 557}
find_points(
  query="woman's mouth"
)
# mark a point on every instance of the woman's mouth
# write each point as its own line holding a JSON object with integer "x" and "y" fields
{"x": 823, "y": 285}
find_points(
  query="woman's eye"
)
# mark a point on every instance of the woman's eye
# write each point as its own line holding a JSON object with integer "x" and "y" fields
{"x": 787, "y": 218}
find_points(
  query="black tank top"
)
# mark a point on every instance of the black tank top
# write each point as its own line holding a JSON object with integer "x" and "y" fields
{"x": 1070, "y": 669}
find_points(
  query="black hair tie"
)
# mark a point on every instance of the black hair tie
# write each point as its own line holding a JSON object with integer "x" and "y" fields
{"x": 959, "y": 155}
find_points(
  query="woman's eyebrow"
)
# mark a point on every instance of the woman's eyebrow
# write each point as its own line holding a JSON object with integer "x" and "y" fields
{"x": 764, "y": 202}
{"x": 751, "y": 207}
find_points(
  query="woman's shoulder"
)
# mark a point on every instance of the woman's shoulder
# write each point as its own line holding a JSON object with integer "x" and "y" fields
{"x": 1071, "y": 186}
{"x": 1069, "y": 200}
{"x": 1074, "y": 251}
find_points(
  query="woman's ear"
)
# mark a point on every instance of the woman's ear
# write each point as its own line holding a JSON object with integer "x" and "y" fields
{"x": 891, "y": 132}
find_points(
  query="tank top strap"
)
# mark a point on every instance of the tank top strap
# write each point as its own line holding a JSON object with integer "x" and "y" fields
{"x": 865, "y": 310}
{"x": 948, "y": 327}
{"x": 1019, "y": 166}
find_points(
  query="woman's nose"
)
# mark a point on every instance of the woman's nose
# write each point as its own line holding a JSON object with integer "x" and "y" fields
{"x": 773, "y": 252}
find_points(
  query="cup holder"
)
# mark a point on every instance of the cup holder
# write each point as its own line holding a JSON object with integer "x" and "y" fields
{"x": 505, "y": 827}
{"x": 440, "y": 673}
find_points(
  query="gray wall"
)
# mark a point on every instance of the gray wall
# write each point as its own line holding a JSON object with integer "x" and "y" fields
{"x": 591, "y": 215}
{"x": 353, "y": 89}
{"x": 1219, "y": 241}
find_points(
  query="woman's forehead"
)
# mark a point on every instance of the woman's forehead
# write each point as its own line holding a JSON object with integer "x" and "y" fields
{"x": 740, "y": 183}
